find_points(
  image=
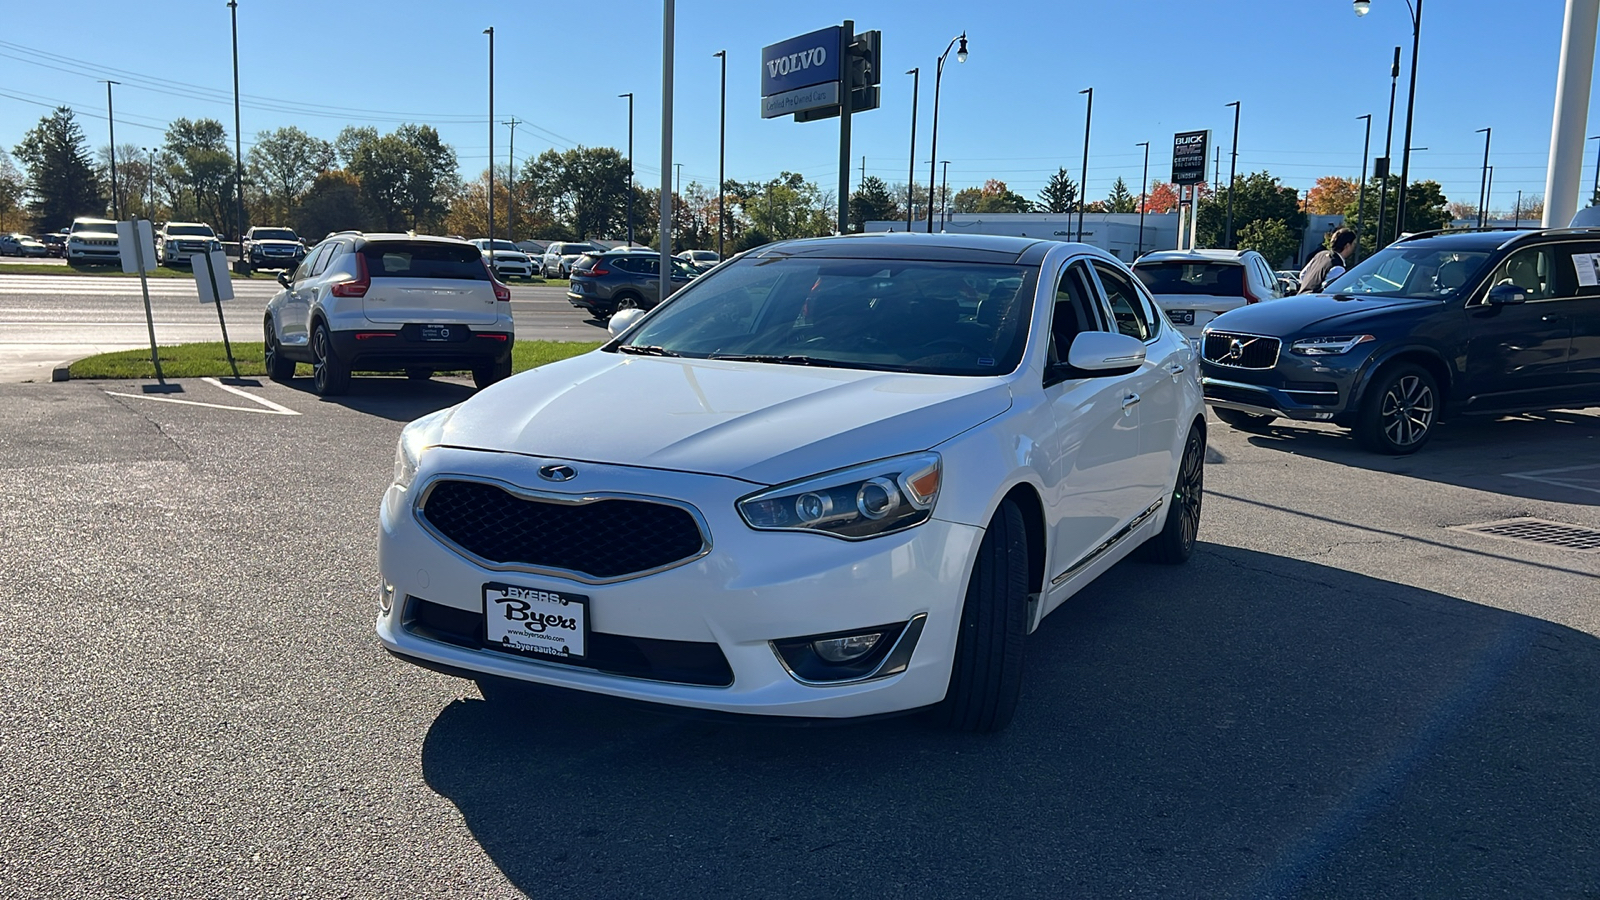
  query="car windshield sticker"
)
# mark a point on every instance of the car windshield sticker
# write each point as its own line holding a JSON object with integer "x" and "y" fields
{"x": 1588, "y": 265}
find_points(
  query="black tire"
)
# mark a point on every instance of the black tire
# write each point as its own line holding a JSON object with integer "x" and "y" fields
{"x": 986, "y": 677}
{"x": 1242, "y": 420}
{"x": 625, "y": 301}
{"x": 279, "y": 367}
{"x": 419, "y": 373}
{"x": 1399, "y": 411}
{"x": 1174, "y": 543}
{"x": 483, "y": 376}
{"x": 330, "y": 376}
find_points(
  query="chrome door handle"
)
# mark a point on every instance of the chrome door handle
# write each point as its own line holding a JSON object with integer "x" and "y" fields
{"x": 1551, "y": 318}
{"x": 1129, "y": 401}
{"x": 1176, "y": 369}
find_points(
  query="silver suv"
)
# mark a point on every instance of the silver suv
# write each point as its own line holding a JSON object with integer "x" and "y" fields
{"x": 559, "y": 257}
{"x": 389, "y": 303}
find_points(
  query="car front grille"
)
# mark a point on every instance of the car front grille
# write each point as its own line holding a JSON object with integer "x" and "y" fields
{"x": 603, "y": 539}
{"x": 680, "y": 662}
{"x": 1241, "y": 351}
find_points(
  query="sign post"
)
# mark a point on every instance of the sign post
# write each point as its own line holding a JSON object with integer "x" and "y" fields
{"x": 214, "y": 289}
{"x": 826, "y": 73}
{"x": 136, "y": 245}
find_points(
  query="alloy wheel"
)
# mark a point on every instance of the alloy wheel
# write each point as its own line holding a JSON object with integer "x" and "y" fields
{"x": 319, "y": 358}
{"x": 1407, "y": 411}
{"x": 1190, "y": 492}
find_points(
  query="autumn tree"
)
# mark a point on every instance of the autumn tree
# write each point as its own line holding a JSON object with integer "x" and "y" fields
{"x": 13, "y": 186}
{"x": 1161, "y": 198}
{"x": 61, "y": 180}
{"x": 1060, "y": 194}
{"x": 993, "y": 197}
{"x": 1332, "y": 195}
{"x": 1427, "y": 209}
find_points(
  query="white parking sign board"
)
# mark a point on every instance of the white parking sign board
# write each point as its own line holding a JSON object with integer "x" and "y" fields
{"x": 146, "y": 245}
{"x": 211, "y": 274}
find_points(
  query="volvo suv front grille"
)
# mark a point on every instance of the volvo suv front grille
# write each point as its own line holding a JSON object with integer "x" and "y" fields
{"x": 1241, "y": 351}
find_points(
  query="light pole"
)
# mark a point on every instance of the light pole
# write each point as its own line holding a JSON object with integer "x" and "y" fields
{"x": 238, "y": 142}
{"x": 629, "y": 95}
{"x": 1233, "y": 171}
{"x": 511, "y": 195}
{"x": 1488, "y": 192}
{"x": 1083, "y": 178}
{"x": 1144, "y": 183}
{"x": 1516, "y": 212}
{"x": 490, "y": 32}
{"x": 944, "y": 190}
{"x": 150, "y": 181}
{"x": 1361, "y": 192}
{"x": 1483, "y": 182}
{"x": 722, "y": 155}
{"x": 1362, "y": 7}
{"x": 1596, "y": 198}
{"x": 664, "y": 208}
{"x": 111, "y": 123}
{"x": 938, "y": 75}
{"x": 911, "y": 169}
{"x": 1388, "y": 155}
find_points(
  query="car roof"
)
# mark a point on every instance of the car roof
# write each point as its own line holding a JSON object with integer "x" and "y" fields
{"x": 1474, "y": 240}
{"x": 988, "y": 248}
{"x": 1222, "y": 256}
{"x": 388, "y": 236}
{"x": 196, "y": 224}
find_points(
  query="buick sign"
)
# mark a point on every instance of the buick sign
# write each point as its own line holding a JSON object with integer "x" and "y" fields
{"x": 1189, "y": 157}
{"x": 799, "y": 62}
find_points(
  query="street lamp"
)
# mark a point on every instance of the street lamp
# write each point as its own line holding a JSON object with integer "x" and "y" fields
{"x": 1361, "y": 192}
{"x": 238, "y": 143}
{"x": 1483, "y": 185}
{"x": 911, "y": 169}
{"x": 1144, "y": 183}
{"x": 722, "y": 155}
{"x": 1362, "y": 7}
{"x": 1388, "y": 156}
{"x": 938, "y": 75}
{"x": 944, "y": 189}
{"x": 1233, "y": 171}
{"x": 629, "y": 95}
{"x": 1083, "y": 178}
{"x": 490, "y": 32}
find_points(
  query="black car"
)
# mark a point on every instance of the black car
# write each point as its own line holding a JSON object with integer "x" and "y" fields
{"x": 603, "y": 283}
{"x": 1437, "y": 324}
{"x": 273, "y": 248}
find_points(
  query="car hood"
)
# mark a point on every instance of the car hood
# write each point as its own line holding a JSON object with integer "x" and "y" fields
{"x": 758, "y": 422}
{"x": 273, "y": 242}
{"x": 517, "y": 255}
{"x": 96, "y": 235}
{"x": 1295, "y": 315}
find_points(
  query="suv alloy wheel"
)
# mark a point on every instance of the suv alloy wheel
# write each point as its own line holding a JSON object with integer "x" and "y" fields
{"x": 1399, "y": 411}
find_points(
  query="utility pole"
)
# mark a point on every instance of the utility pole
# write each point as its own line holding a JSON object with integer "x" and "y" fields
{"x": 664, "y": 208}
{"x": 1483, "y": 186}
{"x": 679, "y": 189}
{"x": 1233, "y": 172}
{"x": 238, "y": 141}
{"x": 911, "y": 172}
{"x": 111, "y": 123}
{"x": 1083, "y": 182}
{"x": 847, "y": 98}
{"x": 1361, "y": 192}
{"x": 150, "y": 181}
{"x": 1388, "y": 151}
{"x": 490, "y": 32}
{"x": 511, "y": 180}
{"x": 629, "y": 95}
{"x": 1144, "y": 183}
{"x": 863, "y": 169}
{"x": 722, "y": 158}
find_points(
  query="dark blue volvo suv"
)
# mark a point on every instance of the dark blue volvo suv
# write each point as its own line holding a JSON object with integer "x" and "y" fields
{"x": 1436, "y": 324}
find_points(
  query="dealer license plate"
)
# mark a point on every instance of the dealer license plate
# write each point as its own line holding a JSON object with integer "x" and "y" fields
{"x": 535, "y": 621}
{"x": 438, "y": 332}
{"x": 1181, "y": 316}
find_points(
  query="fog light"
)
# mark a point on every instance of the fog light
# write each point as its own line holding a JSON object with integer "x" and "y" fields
{"x": 385, "y": 598}
{"x": 839, "y": 650}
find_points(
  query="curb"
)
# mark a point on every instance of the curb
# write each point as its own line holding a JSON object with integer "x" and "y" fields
{"x": 63, "y": 372}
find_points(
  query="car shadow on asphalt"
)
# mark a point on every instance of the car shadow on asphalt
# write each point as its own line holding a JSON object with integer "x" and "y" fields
{"x": 1471, "y": 451}
{"x": 392, "y": 397}
{"x": 1248, "y": 725}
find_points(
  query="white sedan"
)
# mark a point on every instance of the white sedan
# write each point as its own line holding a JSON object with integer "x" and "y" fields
{"x": 837, "y": 477}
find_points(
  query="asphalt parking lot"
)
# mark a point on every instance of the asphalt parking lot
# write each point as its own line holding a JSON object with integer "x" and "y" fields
{"x": 1340, "y": 695}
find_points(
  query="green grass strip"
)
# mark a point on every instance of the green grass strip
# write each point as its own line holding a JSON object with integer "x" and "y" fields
{"x": 208, "y": 359}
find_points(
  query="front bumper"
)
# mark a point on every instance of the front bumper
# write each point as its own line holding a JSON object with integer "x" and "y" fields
{"x": 514, "y": 268}
{"x": 105, "y": 252}
{"x": 1308, "y": 388}
{"x": 751, "y": 589}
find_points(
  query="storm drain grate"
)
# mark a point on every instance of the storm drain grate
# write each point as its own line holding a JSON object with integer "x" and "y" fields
{"x": 1576, "y": 538}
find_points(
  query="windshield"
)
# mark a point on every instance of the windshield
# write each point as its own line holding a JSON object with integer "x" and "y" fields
{"x": 1213, "y": 279}
{"x": 1412, "y": 271}
{"x": 575, "y": 249}
{"x": 274, "y": 234}
{"x": 500, "y": 245}
{"x": 93, "y": 225}
{"x": 190, "y": 231}
{"x": 892, "y": 315}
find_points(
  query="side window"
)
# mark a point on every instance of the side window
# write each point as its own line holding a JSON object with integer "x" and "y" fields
{"x": 328, "y": 253}
{"x": 1532, "y": 269}
{"x": 304, "y": 270}
{"x": 1127, "y": 307}
{"x": 1073, "y": 311}
{"x": 648, "y": 266}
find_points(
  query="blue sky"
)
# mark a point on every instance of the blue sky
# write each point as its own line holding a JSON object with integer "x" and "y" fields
{"x": 1303, "y": 70}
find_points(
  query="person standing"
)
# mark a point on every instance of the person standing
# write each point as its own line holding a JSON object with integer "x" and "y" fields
{"x": 1327, "y": 265}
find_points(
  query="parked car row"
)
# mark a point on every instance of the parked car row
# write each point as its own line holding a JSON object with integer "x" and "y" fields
{"x": 18, "y": 244}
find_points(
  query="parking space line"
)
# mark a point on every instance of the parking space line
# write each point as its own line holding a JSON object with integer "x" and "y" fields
{"x": 267, "y": 407}
{"x": 1543, "y": 476}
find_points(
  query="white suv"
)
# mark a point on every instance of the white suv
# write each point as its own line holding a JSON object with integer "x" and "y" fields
{"x": 93, "y": 240}
{"x": 508, "y": 259}
{"x": 559, "y": 257}
{"x": 1195, "y": 286}
{"x": 389, "y": 302}
{"x": 177, "y": 241}
{"x": 834, "y": 477}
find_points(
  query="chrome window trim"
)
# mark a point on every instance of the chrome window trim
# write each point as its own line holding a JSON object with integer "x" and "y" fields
{"x": 420, "y": 503}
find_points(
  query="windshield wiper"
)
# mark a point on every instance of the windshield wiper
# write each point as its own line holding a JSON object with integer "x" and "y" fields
{"x": 646, "y": 350}
{"x": 783, "y": 359}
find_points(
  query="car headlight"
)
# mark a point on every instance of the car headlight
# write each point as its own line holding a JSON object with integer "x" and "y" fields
{"x": 415, "y": 439}
{"x": 1329, "y": 346}
{"x": 856, "y": 503}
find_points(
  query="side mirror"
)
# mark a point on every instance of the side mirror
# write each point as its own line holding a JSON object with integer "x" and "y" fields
{"x": 1105, "y": 352}
{"x": 622, "y": 320}
{"x": 1506, "y": 294}
{"x": 283, "y": 278}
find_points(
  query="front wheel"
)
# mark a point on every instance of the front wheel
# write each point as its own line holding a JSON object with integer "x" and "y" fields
{"x": 1399, "y": 410}
{"x": 329, "y": 374}
{"x": 986, "y": 675}
{"x": 1174, "y": 543}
